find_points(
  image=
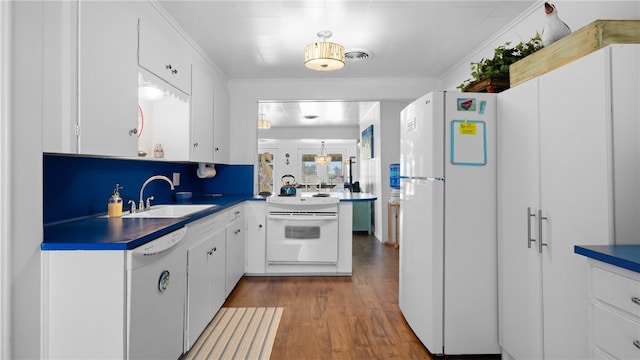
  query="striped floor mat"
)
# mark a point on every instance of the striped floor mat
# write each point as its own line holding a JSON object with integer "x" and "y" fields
{"x": 238, "y": 333}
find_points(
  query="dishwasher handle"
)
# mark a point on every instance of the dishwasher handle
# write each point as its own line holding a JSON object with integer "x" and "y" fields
{"x": 161, "y": 244}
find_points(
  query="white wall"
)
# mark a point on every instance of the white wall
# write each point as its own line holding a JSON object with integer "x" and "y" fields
{"x": 5, "y": 269}
{"x": 370, "y": 172}
{"x": 575, "y": 14}
{"x": 22, "y": 175}
{"x": 280, "y": 147}
{"x": 390, "y": 148}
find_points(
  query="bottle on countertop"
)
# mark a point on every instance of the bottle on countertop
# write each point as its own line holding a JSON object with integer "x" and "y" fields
{"x": 158, "y": 151}
{"x": 114, "y": 208}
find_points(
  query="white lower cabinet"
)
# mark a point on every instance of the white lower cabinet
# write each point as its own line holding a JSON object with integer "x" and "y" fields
{"x": 205, "y": 274}
{"x": 555, "y": 190}
{"x": 255, "y": 212}
{"x": 614, "y": 312}
{"x": 235, "y": 255}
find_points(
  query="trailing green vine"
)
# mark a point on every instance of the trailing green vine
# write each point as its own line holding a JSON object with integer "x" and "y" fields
{"x": 503, "y": 57}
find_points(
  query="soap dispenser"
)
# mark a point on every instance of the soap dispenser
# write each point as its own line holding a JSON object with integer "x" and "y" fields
{"x": 114, "y": 208}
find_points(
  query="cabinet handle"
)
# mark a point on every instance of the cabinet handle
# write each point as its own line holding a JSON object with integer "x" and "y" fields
{"x": 217, "y": 149}
{"x": 260, "y": 226}
{"x": 133, "y": 131}
{"x": 168, "y": 66}
{"x": 636, "y": 343}
{"x": 635, "y": 300}
{"x": 195, "y": 144}
{"x": 237, "y": 232}
{"x": 529, "y": 216}
{"x": 174, "y": 71}
{"x": 540, "y": 243}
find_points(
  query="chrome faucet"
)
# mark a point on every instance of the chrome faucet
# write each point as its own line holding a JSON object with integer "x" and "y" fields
{"x": 141, "y": 205}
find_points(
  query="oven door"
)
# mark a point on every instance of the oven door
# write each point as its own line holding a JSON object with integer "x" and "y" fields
{"x": 298, "y": 238}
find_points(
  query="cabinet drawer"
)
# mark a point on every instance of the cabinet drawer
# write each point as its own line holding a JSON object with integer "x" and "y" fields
{"x": 235, "y": 213}
{"x": 617, "y": 290}
{"x": 615, "y": 333}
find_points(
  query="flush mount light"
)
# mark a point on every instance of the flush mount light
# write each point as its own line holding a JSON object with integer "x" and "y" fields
{"x": 263, "y": 124}
{"x": 322, "y": 158}
{"x": 324, "y": 56}
{"x": 310, "y": 117}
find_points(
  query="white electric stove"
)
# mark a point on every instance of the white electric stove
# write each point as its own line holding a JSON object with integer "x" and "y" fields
{"x": 302, "y": 230}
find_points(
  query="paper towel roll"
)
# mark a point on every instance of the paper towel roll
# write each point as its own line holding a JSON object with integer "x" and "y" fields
{"x": 206, "y": 170}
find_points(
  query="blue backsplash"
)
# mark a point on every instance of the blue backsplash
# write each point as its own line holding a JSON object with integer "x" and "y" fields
{"x": 78, "y": 186}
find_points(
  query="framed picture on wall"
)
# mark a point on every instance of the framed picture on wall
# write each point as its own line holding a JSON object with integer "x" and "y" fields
{"x": 367, "y": 143}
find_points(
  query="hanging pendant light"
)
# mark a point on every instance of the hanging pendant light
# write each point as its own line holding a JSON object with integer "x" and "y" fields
{"x": 263, "y": 124}
{"x": 322, "y": 158}
{"x": 324, "y": 56}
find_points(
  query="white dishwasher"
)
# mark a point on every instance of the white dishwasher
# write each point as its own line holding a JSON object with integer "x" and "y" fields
{"x": 157, "y": 284}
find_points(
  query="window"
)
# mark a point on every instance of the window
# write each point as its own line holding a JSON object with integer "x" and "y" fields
{"x": 313, "y": 174}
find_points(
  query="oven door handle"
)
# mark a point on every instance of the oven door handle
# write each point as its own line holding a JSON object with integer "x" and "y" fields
{"x": 327, "y": 217}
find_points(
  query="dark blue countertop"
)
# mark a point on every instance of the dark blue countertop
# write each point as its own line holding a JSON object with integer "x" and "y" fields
{"x": 102, "y": 233}
{"x": 624, "y": 256}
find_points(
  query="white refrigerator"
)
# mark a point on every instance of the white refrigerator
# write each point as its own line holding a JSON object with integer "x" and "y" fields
{"x": 448, "y": 236}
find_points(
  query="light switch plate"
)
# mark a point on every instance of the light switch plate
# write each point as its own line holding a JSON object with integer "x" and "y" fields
{"x": 176, "y": 179}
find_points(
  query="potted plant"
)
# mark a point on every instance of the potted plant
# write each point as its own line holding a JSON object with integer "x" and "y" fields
{"x": 492, "y": 75}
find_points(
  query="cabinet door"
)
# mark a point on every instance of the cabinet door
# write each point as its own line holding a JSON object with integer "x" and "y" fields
{"x": 60, "y": 77}
{"x": 202, "y": 114}
{"x": 256, "y": 237}
{"x": 108, "y": 73}
{"x": 205, "y": 276}
{"x": 163, "y": 52}
{"x": 575, "y": 139}
{"x": 235, "y": 248}
{"x": 217, "y": 261}
{"x": 519, "y": 281}
{"x": 221, "y": 135}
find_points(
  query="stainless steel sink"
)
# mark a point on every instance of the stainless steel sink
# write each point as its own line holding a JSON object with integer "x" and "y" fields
{"x": 169, "y": 211}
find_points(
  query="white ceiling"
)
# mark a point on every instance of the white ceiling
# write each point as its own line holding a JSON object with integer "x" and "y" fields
{"x": 265, "y": 39}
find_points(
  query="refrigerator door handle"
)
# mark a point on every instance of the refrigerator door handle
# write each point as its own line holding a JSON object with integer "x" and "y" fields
{"x": 540, "y": 243}
{"x": 529, "y": 216}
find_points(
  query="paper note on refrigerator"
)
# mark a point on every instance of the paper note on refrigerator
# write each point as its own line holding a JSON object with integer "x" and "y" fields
{"x": 468, "y": 142}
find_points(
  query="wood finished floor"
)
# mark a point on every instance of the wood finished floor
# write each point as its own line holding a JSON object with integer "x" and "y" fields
{"x": 339, "y": 317}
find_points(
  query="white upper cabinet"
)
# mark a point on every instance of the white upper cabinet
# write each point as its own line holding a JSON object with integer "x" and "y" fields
{"x": 202, "y": 146}
{"x": 107, "y": 114}
{"x": 99, "y": 55}
{"x": 90, "y": 98}
{"x": 165, "y": 53}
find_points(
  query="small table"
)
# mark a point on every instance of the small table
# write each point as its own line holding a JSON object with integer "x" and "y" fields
{"x": 393, "y": 209}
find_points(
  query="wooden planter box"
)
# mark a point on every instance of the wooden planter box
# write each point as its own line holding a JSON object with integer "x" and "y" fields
{"x": 583, "y": 41}
{"x": 489, "y": 85}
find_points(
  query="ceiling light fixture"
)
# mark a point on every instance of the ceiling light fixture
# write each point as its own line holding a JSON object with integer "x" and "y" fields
{"x": 263, "y": 124}
{"x": 323, "y": 158}
{"x": 324, "y": 56}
